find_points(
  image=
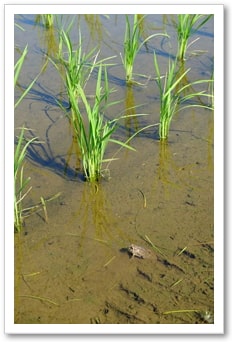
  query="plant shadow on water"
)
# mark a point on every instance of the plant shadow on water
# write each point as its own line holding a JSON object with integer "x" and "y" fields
{"x": 76, "y": 268}
{"x": 43, "y": 156}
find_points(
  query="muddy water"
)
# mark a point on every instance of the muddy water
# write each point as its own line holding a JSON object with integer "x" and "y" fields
{"x": 74, "y": 267}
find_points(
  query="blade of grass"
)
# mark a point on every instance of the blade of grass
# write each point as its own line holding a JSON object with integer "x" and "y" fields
{"x": 132, "y": 45}
{"x": 153, "y": 246}
{"x": 171, "y": 97}
{"x": 186, "y": 27}
{"x": 42, "y": 299}
{"x": 181, "y": 311}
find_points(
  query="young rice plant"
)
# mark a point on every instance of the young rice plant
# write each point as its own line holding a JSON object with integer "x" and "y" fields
{"x": 187, "y": 25}
{"x": 78, "y": 65}
{"x": 94, "y": 137}
{"x": 21, "y": 188}
{"x": 132, "y": 45}
{"x": 21, "y": 184}
{"x": 172, "y": 95}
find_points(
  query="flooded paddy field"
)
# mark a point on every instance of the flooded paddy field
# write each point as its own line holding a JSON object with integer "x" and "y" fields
{"x": 74, "y": 266}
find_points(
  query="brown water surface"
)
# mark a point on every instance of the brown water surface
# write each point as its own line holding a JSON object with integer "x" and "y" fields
{"x": 75, "y": 268}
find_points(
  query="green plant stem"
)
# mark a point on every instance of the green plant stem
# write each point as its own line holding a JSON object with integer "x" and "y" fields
{"x": 132, "y": 44}
{"x": 20, "y": 184}
{"x": 173, "y": 94}
{"x": 93, "y": 138}
{"x": 187, "y": 25}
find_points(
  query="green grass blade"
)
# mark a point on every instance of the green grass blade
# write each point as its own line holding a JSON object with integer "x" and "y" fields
{"x": 19, "y": 64}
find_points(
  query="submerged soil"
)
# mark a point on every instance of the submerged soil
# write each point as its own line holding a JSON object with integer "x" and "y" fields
{"x": 74, "y": 267}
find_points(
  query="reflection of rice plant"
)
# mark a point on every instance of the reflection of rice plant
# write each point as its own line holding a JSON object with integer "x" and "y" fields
{"x": 173, "y": 94}
{"x": 46, "y": 19}
{"x": 187, "y": 25}
{"x": 94, "y": 137}
{"x": 132, "y": 44}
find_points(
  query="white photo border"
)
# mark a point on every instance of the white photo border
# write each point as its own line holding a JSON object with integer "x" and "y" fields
{"x": 218, "y": 326}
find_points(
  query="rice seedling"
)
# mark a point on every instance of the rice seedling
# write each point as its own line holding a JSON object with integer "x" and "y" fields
{"x": 187, "y": 25}
{"x": 132, "y": 45}
{"x": 21, "y": 184}
{"x": 21, "y": 188}
{"x": 17, "y": 69}
{"x": 173, "y": 94}
{"x": 78, "y": 65}
{"x": 94, "y": 138}
{"x": 18, "y": 65}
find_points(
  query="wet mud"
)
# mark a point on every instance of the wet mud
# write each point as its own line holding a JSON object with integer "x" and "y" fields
{"x": 73, "y": 267}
